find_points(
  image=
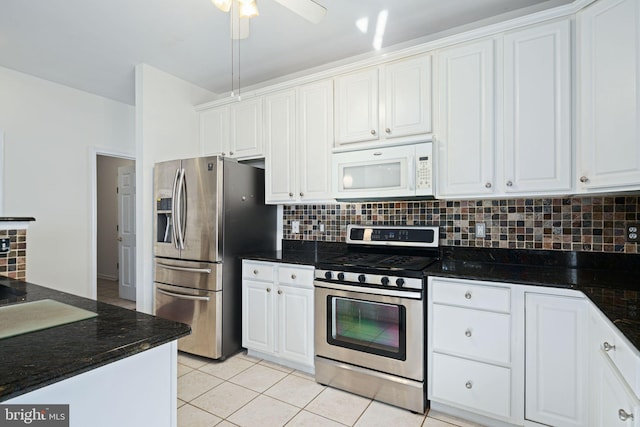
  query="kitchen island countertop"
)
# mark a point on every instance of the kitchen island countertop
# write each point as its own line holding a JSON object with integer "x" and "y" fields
{"x": 37, "y": 359}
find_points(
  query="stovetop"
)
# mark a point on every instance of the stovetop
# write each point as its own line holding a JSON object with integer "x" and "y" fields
{"x": 381, "y": 261}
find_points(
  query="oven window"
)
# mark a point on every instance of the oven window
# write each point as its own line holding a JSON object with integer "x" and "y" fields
{"x": 371, "y": 327}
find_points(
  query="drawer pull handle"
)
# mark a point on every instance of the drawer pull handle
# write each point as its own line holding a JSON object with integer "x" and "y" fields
{"x": 608, "y": 347}
{"x": 467, "y": 332}
{"x": 624, "y": 415}
{"x": 468, "y": 385}
{"x": 467, "y": 295}
{"x": 279, "y": 291}
{"x": 268, "y": 289}
{"x": 293, "y": 277}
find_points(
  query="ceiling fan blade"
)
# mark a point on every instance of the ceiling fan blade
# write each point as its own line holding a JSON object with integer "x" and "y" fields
{"x": 239, "y": 27}
{"x": 308, "y": 9}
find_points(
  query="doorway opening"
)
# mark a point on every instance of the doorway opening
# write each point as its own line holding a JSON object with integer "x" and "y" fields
{"x": 115, "y": 230}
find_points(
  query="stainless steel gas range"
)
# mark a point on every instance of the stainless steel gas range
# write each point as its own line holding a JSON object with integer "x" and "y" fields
{"x": 370, "y": 314}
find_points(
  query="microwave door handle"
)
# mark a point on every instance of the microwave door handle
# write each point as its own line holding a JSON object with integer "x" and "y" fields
{"x": 412, "y": 173}
{"x": 174, "y": 232}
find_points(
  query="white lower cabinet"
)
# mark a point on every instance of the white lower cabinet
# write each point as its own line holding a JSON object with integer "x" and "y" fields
{"x": 277, "y": 313}
{"x": 470, "y": 348}
{"x": 556, "y": 359}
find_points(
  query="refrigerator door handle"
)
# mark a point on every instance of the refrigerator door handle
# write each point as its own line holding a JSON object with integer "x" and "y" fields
{"x": 189, "y": 269}
{"x": 174, "y": 232}
{"x": 190, "y": 297}
{"x": 181, "y": 220}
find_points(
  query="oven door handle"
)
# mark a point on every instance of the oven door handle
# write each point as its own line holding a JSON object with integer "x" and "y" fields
{"x": 363, "y": 290}
{"x": 183, "y": 296}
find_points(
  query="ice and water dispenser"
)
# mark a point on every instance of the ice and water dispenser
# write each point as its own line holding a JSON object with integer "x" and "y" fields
{"x": 163, "y": 220}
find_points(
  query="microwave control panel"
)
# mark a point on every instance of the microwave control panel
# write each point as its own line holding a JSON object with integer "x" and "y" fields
{"x": 424, "y": 171}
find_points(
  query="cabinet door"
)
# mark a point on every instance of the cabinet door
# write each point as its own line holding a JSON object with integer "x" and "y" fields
{"x": 537, "y": 109}
{"x": 609, "y": 96}
{"x": 356, "y": 107}
{"x": 280, "y": 142}
{"x": 465, "y": 125}
{"x": 295, "y": 324}
{"x": 614, "y": 403}
{"x": 407, "y": 100}
{"x": 214, "y": 131}
{"x": 257, "y": 316}
{"x": 246, "y": 129}
{"x": 556, "y": 360}
{"x": 315, "y": 124}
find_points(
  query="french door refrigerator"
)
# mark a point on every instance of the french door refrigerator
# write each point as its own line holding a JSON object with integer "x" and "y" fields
{"x": 208, "y": 211}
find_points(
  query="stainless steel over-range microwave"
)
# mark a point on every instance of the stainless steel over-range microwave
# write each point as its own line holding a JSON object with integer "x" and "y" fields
{"x": 404, "y": 171}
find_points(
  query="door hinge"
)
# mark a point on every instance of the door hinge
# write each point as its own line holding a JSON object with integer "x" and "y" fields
{"x": 117, "y": 190}
{"x": 117, "y": 227}
{"x": 117, "y": 265}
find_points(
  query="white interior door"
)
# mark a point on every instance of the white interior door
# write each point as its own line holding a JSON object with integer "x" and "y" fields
{"x": 127, "y": 232}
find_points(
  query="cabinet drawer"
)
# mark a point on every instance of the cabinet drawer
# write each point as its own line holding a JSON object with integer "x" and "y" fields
{"x": 479, "y": 386}
{"x": 258, "y": 270}
{"x": 299, "y": 276}
{"x": 472, "y": 333}
{"x": 467, "y": 293}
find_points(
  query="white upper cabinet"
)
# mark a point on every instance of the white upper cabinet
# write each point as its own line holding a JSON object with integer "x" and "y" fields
{"x": 387, "y": 102}
{"x": 299, "y": 135}
{"x": 280, "y": 144}
{"x": 537, "y": 155}
{"x": 214, "y": 131}
{"x": 608, "y": 142}
{"x": 233, "y": 130}
{"x": 464, "y": 130}
{"x": 246, "y": 128}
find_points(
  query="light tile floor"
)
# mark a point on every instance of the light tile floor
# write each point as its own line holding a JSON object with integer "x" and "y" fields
{"x": 108, "y": 292}
{"x": 245, "y": 391}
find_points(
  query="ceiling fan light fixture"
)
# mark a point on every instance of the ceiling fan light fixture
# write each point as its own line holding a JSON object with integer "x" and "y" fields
{"x": 223, "y": 5}
{"x": 248, "y": 8}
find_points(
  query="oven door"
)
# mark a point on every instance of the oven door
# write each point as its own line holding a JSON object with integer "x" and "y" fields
{"x": 384, "y": 332}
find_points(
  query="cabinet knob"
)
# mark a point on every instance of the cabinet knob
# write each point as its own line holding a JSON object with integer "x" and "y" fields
{"x": 509, "y": 184}
{"x": 488, "y": 185}
{"x": 584, "y": 179}
{"x": 268, "y": 289}
{"x": 231, "y": 153}
{"x": 467, "y": 295}
{"x": 255, "y": 271}
{"x": 467, "y": 333}
{"x": 387, "y": 130}
{"x": 290, "y": 194}
{"x": 279, "y": 291}
{"x": 293, "y": 277}
{"x": 624, "y": 415}
{"x": 373, "y": 132}
{"x": 468, "y": 385}
{"x": 608, "y": 347}
{"x": 301, "y": 194}
{"x": 223, "y": 154}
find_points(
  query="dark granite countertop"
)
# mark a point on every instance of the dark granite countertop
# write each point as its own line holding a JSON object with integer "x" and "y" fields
{"x": 611, "y": 281}
{"x": 37, "y": 359}
{"x": 16, "y": 218}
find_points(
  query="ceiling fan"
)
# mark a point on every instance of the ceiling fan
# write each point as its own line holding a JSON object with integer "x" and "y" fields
{"x": 243, "y": 9}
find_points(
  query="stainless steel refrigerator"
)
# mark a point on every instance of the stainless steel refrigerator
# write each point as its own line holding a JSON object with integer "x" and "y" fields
{"x": 208, "y": 211}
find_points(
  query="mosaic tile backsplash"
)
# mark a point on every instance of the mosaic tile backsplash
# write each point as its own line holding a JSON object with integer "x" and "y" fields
{"x": 14, "y": 263}
{"x": 591, "y": 224}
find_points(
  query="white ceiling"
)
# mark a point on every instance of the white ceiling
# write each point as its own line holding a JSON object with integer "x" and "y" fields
{"x": 94, "y": 45}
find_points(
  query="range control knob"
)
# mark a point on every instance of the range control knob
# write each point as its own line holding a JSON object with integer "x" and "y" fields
{"x": 362, "y": 278}
{"x": 340, "y": 276}
{"x": 328, "y": 275}
{"x": 385, "y": 281}
{"x": 400, "y": 282}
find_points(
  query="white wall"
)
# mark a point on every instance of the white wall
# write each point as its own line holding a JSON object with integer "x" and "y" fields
{"x": 166, "y": 128}
{"x": 50, "y": 131}
{"x": 107, "y": 215}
